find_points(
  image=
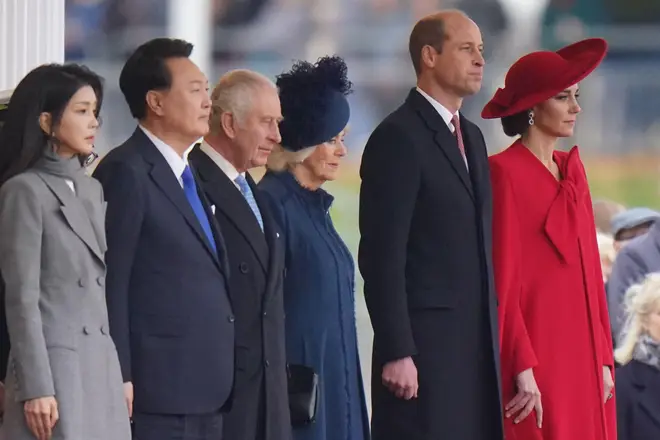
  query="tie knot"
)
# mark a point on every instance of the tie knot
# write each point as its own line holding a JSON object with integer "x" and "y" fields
{"x": 242, "y": 183}
{"x": 187, "y": 176}
{"x": 456, "y": 122}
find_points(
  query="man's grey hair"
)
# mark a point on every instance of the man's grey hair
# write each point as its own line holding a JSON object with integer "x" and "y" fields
{"x": 233, "y": 94}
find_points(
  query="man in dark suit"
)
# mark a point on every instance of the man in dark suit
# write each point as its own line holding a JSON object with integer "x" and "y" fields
{"x": 169, "y": 309}
{"x": 244, "y": 129}
{"x": 425, "y": 250}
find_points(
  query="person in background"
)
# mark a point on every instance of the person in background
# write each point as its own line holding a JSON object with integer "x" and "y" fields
{"x": 245, "y": 114}
{"x": 638, "y": 379}
{"x": 167, "y": 293}
{"x": 607, "y": 254}
{"x": 557, "y": 360}
{"x": 319, "y": 274}
{"x": 425, "y": 250}
{"x": 639, "y": 257}
{"x": 632, "y": 223}
{"x": 63, "y": 380}
{"x": 604, "y": 210}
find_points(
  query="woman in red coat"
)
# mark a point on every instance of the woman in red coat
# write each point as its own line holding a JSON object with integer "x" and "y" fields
{"x": 556, "y": 348}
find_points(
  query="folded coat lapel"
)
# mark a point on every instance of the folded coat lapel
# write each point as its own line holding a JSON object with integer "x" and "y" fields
{"x": 79, "y": 218}
{"x": 443, "y": 137}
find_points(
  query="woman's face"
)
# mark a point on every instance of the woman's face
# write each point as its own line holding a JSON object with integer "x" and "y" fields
{"x": 652, "y": 323}
{"x": 325, "y": 160}
{"x": 78, "y": 125}
{"x": 556, "y": 117}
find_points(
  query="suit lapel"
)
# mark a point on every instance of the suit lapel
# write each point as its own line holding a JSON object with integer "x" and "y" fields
{"x": 478, "y": 163}
{"x": 77, "y": 215}
{"x": 442, "y": 136}
{"x": 162, "y": 175}
{"x": 274, "y": 239}
{"x": 227, "y": 198}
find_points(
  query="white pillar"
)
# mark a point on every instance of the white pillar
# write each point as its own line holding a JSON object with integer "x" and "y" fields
{"x": 191, "y": 20}
{"x": 31, "y": 34}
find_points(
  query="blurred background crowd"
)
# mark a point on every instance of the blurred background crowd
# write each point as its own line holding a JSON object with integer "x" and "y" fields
{"x": 618, "y": 131}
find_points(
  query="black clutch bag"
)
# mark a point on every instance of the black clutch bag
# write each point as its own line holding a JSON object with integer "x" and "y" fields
{"x": 303, "y": 384}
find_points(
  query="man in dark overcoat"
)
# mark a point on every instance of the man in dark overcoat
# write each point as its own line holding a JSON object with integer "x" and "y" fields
{"x": 243, "y": 131}
{"x": 425, "y": 250}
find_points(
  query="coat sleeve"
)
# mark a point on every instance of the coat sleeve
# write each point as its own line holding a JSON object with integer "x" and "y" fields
{"x": 21, "y": 228}
{"x": 604, "y": 329}
{"x": 391, "y": 174}
{"x": 516, "y": 347}
{"x": 124, "y": 215}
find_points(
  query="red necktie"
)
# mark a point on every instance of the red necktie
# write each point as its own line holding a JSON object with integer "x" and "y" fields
{"x": 457, "y": 132}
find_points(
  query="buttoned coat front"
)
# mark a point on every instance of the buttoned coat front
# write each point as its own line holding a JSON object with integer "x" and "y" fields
{"x": 52, "y": 245}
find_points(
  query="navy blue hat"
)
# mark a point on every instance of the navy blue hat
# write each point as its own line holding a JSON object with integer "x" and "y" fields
{"x": 313, "y": 100}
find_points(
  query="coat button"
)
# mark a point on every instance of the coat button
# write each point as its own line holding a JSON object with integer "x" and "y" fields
{"x": 243, "y": 267}
{"x": 267, "y": 363}
{"x": 81, "y": 282}
{"x": 230, "y": 318}
{"x": 85, "y": 330}
{"x": 100, "y": 281}
{"x": 265, "y": 313}
{"x": 103, "y": 330}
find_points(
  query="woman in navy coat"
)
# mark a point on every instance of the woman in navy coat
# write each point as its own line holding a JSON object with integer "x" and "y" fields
{"x": 638, "y": 380}
{"x": 319, "y": 282}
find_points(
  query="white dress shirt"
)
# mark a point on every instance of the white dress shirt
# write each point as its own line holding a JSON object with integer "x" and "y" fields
{"x": 176, "y": 162}
{"x": 230, "y": 170}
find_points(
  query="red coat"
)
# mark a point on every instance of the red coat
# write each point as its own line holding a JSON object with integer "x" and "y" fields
{"x": 552, "y": 307}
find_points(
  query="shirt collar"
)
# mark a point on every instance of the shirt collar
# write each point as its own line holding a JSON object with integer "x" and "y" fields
{"x": 176, "y": 162}
{"x": 441, "y": 109}
{"x": 222, "y": 163}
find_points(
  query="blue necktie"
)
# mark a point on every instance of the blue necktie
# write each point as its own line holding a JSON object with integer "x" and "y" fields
{"x": 190, "y": 188}
{"x": 242, "y": 183}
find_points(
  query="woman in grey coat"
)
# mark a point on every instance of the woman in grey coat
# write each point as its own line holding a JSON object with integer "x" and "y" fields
{"x": 63, "y": 380}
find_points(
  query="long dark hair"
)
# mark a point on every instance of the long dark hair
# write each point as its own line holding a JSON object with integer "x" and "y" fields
{"x": 46, "y": 89}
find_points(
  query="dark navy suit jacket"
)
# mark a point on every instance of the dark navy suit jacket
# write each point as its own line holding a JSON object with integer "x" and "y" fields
{"x": 169, "y": 310}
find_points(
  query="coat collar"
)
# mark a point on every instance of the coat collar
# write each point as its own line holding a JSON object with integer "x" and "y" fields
{"x": 318, "y": 198}
{"x": 162, "y": 175}
{"x": 444, "y": 138}
{"x": 79, "y": 213}
{"x": 222, "y": 192}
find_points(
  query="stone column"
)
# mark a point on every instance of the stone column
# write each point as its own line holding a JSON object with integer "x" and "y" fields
{"x": 31, "y": 34}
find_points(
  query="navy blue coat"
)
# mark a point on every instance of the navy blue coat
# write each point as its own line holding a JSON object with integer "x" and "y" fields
{"x": 638, "y": 401}
{"x": 319, "y": 303}
{"x": 168, "y": 303}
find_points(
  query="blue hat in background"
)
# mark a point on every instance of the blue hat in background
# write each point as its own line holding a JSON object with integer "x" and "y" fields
{"x": 632, "y": 218}
{"x": 313, "y": 100}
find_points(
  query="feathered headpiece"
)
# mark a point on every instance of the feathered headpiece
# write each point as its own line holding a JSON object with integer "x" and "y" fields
{"x": 313, "y": 100}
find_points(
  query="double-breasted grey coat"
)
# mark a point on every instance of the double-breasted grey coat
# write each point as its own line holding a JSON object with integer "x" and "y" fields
{"x": 52, "y": 245}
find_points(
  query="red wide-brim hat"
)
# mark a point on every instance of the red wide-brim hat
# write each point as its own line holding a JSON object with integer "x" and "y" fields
{"x": 538, "y": 76}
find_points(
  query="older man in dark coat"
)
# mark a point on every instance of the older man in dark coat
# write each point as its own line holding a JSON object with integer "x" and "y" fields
{"x": 425, "y": 250}
{"x": 244, "y": 128}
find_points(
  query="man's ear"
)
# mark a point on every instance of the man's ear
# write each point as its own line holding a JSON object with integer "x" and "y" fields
{"x": 155, "y": 102}
{"x": 229, "y": 124}
{"x": 46, "y": 123}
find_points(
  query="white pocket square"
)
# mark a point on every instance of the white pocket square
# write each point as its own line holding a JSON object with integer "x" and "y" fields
{"x": 213, "y": 209}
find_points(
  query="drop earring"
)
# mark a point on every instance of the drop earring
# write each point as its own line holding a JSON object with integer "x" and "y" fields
{"x": 531, "y": 118}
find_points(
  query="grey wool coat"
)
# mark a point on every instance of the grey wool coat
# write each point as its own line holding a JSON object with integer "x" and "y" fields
{"x": 52, "y": 245}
